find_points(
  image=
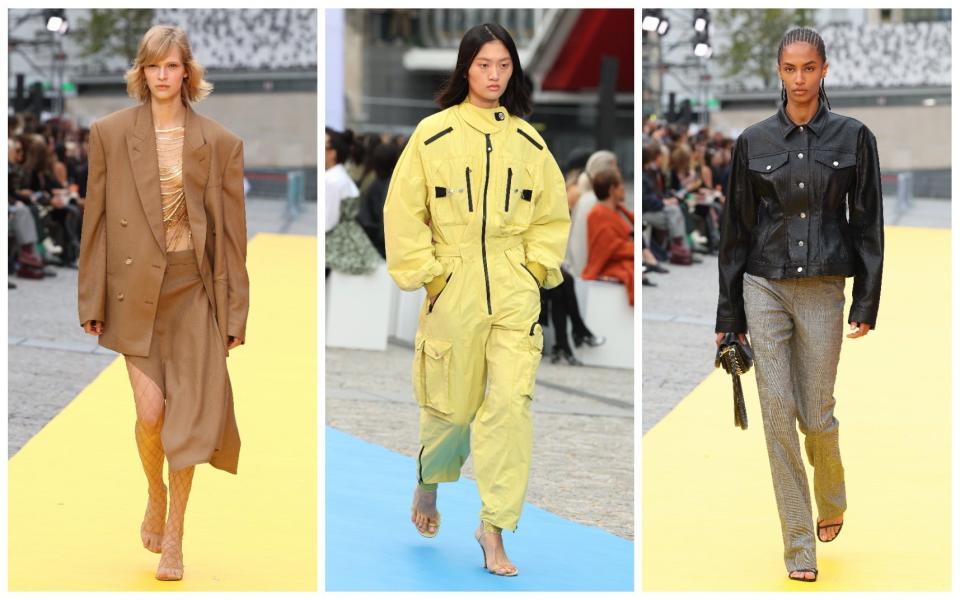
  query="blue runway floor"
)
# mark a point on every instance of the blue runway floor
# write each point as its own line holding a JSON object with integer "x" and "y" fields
{"x": 372, "y": 545}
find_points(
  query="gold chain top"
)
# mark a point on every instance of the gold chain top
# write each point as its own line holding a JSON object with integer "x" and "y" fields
{"x": 176, "y": 224}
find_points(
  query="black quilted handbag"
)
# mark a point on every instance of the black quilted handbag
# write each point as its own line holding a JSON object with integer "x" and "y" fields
{"x": 736, "y": 359}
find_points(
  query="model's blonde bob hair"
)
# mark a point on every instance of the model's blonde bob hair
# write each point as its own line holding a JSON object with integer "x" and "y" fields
{"x": 155, "y": 46}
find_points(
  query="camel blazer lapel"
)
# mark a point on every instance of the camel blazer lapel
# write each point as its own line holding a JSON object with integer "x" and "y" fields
{"x": 142, "y": 150}
{"x": 196, "y": 169}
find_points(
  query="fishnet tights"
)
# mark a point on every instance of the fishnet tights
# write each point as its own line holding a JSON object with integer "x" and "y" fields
{"x": 163, "y": 540}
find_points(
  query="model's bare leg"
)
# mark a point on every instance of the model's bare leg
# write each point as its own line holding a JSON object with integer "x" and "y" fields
{"x": 171, "y": 559}
{"x": 149, "y": 402}
{"x": 424, "y": 513}
{"x": 830, "y": 532}
{"x": 491, "y": 538}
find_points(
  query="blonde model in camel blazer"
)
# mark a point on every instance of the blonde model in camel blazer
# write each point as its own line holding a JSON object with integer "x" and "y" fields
{"x": 140, "y": 289}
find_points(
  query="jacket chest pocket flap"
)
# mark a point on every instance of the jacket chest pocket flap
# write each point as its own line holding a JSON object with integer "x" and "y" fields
{"x": 836, "y": 159}
{"x": 450, "y": 191}
{"x": 768, "y": 163}
{"x": 520, "y": 191}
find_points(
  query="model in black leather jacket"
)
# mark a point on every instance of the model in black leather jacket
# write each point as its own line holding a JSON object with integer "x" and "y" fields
{"x": 791, "y": 188}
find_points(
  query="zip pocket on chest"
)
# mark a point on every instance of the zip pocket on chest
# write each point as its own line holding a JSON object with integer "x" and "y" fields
{"x": 469, "y": 192}
{"x": 506, "y": 203}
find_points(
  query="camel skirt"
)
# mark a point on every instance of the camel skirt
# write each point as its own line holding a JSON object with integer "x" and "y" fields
{"x": 187, "y": 363}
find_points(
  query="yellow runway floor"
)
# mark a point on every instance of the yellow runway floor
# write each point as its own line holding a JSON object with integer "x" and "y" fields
{"x": 77, "y": 491}
{"x": 709, "y": 513}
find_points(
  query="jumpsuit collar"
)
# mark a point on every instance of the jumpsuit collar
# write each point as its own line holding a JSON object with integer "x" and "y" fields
{"x": 483, "y": 119}
{"x": 815, "y": 125}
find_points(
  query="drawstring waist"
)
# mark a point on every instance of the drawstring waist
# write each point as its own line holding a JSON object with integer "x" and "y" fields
{"x": 494, "y": 244}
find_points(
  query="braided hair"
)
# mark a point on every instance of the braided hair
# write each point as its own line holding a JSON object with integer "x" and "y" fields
{"x": 807, "y": 36}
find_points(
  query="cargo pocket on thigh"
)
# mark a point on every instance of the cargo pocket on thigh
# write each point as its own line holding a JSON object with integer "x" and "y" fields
{"x": 533, "y": 350}
{"x": 431, "y": 375}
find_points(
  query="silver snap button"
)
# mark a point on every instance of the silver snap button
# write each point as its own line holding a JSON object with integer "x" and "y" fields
{"x": 799, "y": 269}
{"x": 769, "y": 167}
{"x": 123, "y": 222}
{"x": 120, "y": 296}
{"x": 801, "y": 128}
{"x": 836, "y": 164}
{"x": 803, "y": 215}
{"x": 128, "y": 261}
{"x": 801, "y": 185}
{"x": 800, "y": 155}
{"x": 801, "y": 242}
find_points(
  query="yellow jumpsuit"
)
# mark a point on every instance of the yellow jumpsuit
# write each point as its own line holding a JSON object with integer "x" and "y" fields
{"x": 477, "y": 209}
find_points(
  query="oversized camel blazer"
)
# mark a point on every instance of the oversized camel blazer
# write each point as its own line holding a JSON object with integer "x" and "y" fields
{"x": 123, "y": 244}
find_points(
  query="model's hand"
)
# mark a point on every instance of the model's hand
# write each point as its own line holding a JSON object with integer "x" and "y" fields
{"x": 740, "y": 336}
{"x": 93, "y": 327}
{"x": 233, "y": 342}
{"x": 858, "y": 329}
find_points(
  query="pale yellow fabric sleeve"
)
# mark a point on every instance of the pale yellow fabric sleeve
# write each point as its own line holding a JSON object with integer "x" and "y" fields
{"x": 545, "y": 241}
{"x": 411, "y": 260}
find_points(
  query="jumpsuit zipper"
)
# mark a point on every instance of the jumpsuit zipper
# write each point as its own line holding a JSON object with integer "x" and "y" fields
{"x": 469, "y": 193}
{"x": 420, "y": 465}
{"x": 483, "y": 228}
{"x": 506, "y": 203}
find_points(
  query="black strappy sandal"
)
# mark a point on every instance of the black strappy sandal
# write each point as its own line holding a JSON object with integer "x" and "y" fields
{"x": 814, "y": 571}
{"x": 820, "y": 528}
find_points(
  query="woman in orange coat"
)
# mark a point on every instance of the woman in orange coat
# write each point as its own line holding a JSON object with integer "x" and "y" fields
{"x": 610, "y": 232}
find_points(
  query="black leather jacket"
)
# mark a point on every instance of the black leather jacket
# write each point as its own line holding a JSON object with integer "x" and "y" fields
{"x": 790, "y": 189}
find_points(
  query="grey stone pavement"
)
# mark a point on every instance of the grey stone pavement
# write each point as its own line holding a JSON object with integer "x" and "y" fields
{"x": 678, "y": 318}
{"x": 50, "y": 359}
{"x": 582, "y": 467}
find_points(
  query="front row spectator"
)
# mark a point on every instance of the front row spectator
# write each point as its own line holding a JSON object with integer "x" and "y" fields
{"x": 610, "y": 232}
{"x": 384, "y": 159}
{"x": 21, "y": 225}
{"x": 663, "y": 213}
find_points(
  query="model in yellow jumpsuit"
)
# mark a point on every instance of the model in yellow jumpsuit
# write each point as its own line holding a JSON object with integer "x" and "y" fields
{"x": 477, "y": 210}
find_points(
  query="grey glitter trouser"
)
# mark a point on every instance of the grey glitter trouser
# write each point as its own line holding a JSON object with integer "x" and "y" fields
{"x": 796, "y": 327}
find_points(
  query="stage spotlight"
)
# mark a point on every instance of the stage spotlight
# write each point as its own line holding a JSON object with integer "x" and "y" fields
{"x": 651, "y": 19}
{"x": 701, "y": 18}
{"x": 56, "y": 20}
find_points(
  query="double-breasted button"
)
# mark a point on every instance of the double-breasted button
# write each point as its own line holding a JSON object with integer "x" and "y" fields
{"x": 801, "y": 242}
{"x": 803, "y": 215}
{"x": 128, "y": 261}
{"x": 120, "y": 296}
{"x": 799, "y": 269}
{"x": 800, "y": 155}
{"x": 836, "y": 164}
{"x": 801, "y": 185}
{"x": 123, "y": 222}
{"x": 769, "y": 167}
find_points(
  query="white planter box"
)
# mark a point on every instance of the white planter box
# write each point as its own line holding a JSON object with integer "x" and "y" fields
{"x": 358, "y": 309}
